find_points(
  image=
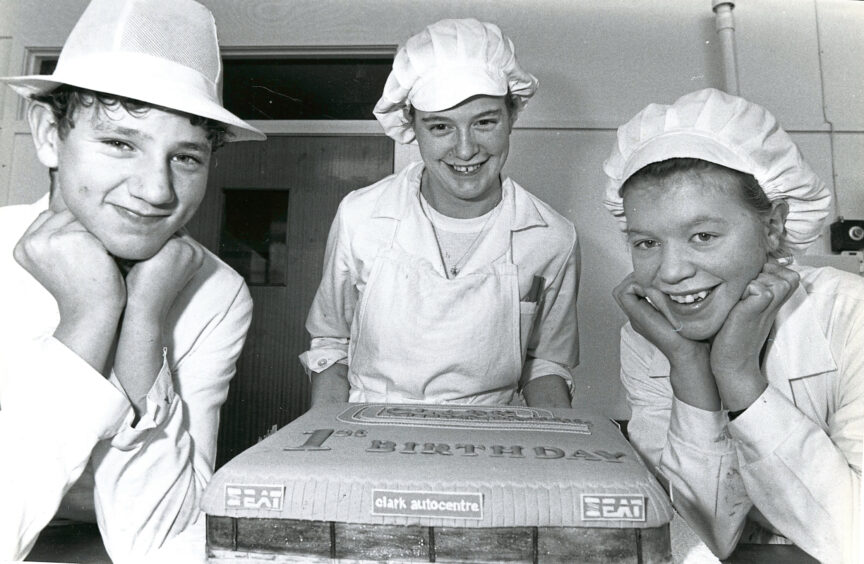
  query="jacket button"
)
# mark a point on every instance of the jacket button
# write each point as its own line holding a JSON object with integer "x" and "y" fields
{"x": 322, "y": 362}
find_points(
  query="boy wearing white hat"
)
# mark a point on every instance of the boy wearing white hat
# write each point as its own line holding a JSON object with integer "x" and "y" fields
{"x": 120, "y": 333}
{"x": 447, "y": 282}
{"x": 744, "y": 371}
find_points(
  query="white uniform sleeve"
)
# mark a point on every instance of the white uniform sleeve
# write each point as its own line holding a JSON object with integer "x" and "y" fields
{"x": 148, "y": 479}
{"x": 806, "y": 481}
{"x": 689, "y": 448}
{"x": 54, "y": 407}
{"x": 332, "y": 312}
{"x": 553, "y": 348}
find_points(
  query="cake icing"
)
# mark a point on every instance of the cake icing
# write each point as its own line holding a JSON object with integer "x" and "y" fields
{"x": 443, "y": 466}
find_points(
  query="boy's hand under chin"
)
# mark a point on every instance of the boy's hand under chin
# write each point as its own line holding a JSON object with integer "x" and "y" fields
{"x": 152, "y": 285}
{"x": 87, "y": 285}
{"x": 72, "y": 264}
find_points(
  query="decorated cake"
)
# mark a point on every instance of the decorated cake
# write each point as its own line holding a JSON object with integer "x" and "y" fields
{"x": 373, "y": 482}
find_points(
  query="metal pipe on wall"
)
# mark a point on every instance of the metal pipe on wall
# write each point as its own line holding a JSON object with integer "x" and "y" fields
{"x": 724, "y": 24}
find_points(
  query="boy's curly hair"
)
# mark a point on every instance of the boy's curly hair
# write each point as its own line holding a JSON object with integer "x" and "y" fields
{"x": 65, "y": 100}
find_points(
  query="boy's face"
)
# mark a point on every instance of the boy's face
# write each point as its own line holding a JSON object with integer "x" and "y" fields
{"x": 132, "y": 180}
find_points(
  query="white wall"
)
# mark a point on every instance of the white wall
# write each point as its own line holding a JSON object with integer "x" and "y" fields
{"x": 599, "y": 62}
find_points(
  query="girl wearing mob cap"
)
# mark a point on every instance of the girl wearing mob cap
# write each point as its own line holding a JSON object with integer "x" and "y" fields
{"x": 744, "y": 371}
{"x": 447, "y": 282}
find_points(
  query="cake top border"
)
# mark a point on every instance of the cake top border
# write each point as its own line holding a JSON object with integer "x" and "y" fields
{"x": 463, "y": 417}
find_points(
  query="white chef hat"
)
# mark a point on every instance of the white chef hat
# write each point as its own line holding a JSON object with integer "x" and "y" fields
{"x": 730, "y": 131}
{"x": 447, "y": 63}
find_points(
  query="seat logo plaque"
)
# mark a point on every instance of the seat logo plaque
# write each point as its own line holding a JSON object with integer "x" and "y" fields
{"x": 269, "y": 498}
{"x": 613, "y": 507}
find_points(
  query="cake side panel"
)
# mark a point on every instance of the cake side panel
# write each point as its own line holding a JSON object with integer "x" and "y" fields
{"x": 288, "y": 541}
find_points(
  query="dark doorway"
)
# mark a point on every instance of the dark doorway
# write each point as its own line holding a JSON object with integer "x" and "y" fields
{"x": 290, "y": 187}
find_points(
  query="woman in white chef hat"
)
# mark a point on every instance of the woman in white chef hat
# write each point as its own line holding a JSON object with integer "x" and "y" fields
{"x": 744, "y": 370}
{"x": 446, "y": 282}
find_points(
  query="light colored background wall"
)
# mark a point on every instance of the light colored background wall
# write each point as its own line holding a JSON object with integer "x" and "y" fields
{"x": 599, "y": 62}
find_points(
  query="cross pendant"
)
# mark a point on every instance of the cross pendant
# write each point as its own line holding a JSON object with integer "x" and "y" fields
{"x": 454, "y": 271}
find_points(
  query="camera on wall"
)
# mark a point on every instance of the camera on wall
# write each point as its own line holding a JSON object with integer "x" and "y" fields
{"x": 847, "y": 235}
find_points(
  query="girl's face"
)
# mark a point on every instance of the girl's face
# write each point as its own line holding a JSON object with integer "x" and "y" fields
{"x": 464, "y": 149}
{"x": 697, "y": 243}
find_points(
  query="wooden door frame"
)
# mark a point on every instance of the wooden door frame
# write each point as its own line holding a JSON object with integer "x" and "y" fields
{"x": 402, "y": 154}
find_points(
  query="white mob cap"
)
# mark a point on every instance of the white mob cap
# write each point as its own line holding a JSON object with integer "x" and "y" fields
{"x": 158, "y": 52}
{"x": 730, "y": 131}
{"x": 445, "y": 64}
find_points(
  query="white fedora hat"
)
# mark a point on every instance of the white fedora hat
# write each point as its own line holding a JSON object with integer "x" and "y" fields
{"x": 162, "y": 52}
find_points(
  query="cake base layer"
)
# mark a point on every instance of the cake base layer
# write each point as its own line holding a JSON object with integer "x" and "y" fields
{"x": 246, "y": 540}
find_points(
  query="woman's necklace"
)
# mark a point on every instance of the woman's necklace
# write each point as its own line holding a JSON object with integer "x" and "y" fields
{"x": 455, "y": 267}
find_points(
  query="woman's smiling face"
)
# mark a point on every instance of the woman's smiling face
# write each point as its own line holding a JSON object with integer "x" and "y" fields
{"x": 696, "y": 242}
{"x": 464, "y": 149}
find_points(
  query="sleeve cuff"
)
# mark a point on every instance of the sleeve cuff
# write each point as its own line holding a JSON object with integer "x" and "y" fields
{"x": 763, "y": 426}
{"x": 536, "y": 367}
{"x": 64, "y": 388}
{"x": 700, "y": 429}
{"x": 157, "y": 407}
{"x": 319, "y": 360}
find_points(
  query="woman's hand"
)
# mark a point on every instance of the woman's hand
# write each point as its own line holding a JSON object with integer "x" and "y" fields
{"x": 736, "y": 347}
{"x": 690, "y": 375}
{"x": 650, "y": 322}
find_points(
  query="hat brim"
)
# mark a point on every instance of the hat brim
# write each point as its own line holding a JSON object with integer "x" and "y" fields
{"x": 685, "y": 144}
{"x": 156, "y": 92}
{"x": 447, "y": 86}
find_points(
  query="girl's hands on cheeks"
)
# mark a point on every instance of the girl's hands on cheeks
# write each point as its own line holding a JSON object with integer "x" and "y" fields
{"x": 690, "y": 374}
{"x": 736, "y": 348}
{"x": 650, "y": 322}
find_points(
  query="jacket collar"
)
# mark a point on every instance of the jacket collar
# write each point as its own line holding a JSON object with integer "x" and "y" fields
{"x": 400, "y": 201}
{"x": 799, "y": 348}
{"x": 41, "y": 204}
{"x": 402, "y": 195}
